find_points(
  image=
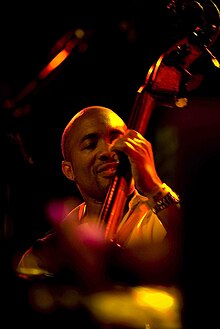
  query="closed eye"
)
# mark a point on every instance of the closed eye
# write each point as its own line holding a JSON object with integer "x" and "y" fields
{"x": 89, "y": 145}
{"x": 115, "y": 134}
{"x": 89, "y": 141}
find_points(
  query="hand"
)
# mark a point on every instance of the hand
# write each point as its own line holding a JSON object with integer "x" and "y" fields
{"x": 140, "y": 155}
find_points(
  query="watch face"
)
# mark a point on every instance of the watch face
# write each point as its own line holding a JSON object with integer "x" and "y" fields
{"x": 167, "y": 200}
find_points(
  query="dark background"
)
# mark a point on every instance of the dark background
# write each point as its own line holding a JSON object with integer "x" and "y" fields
{"x": 126, "y": 38}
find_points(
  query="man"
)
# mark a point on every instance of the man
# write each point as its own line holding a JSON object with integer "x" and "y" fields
{"x": 149, "y": 229}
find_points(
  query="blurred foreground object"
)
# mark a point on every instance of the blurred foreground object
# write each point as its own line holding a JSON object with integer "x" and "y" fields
{"x": 139, "y": 307}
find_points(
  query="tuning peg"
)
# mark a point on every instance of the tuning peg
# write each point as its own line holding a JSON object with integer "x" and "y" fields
{"x": 213, "y": 58}
{"x": 198, "y": 38}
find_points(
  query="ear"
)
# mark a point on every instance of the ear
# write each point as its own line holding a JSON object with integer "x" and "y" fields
{"x": 68, "y": 170}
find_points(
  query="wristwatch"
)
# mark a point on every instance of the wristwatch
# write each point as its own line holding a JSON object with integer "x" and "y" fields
{"x": 170, "y": 198}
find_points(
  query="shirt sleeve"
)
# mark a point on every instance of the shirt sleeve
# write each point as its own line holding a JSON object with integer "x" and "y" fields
{"x": 41, "y": 259}
{"x": 140, "y": 226}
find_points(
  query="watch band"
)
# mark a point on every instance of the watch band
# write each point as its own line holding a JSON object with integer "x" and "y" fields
{"x": 170, "y": 198}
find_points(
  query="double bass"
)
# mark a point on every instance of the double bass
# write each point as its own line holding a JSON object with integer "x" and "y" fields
{"x": 167, "y": 83}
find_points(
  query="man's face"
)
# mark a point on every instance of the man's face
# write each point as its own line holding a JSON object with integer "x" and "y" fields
{"x": 93, "y": 162}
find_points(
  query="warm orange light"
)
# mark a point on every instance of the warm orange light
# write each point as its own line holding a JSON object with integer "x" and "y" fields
{"x": 158, "y": 299}
{"x": 79, "y": 33}
{"x": 54, "y": 63}
{"x": 137, "y": 307}
{"x": 62, "y": 55}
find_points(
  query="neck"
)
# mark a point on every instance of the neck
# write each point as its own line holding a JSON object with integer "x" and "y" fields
{"x": 92, "y": 209}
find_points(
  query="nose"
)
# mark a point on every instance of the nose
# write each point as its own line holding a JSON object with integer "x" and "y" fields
{"x": 106, "y": 154}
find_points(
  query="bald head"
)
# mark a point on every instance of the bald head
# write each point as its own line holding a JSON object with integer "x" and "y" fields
{"x": 87, "y": 114}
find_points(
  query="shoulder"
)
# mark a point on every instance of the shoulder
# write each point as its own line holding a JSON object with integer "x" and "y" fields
{"x": 49, "y": 239}
{"x": 75, "y": 214}
{"x": 41, "y": 259}
{"x": 72, "y": 219}
{"x": 45, "y": 256}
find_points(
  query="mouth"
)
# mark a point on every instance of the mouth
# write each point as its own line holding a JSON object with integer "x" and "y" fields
{"x": 108, "y": 169}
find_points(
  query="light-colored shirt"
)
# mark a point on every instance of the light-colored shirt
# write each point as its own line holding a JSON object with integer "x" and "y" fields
{"x": 139, "y": 226}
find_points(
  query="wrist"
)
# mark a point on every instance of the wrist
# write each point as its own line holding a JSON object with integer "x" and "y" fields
{"x": 162, "y": 198}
